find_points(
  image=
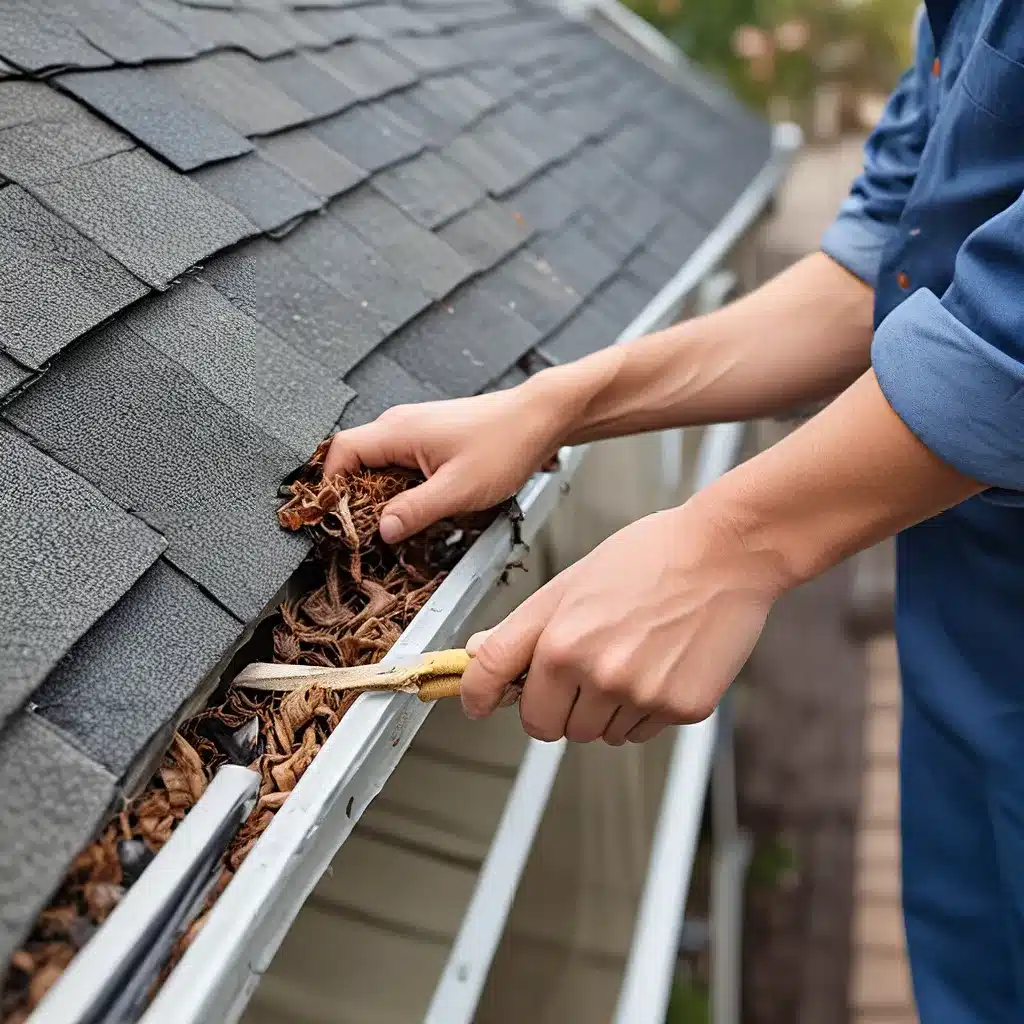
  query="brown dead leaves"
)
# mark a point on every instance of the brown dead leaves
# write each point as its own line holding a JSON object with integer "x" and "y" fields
{"x": 366, "y": 594}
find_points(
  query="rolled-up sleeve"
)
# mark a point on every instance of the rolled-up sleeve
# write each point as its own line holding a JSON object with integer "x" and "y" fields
{"x": 953, "y": 368}
{"x": 868, "y": 218}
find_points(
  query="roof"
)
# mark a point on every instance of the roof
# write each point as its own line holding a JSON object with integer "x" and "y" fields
{"x": 227, "y": 228}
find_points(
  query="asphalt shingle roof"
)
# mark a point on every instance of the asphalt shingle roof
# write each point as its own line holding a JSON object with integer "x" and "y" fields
{"x": 227, "y": 227}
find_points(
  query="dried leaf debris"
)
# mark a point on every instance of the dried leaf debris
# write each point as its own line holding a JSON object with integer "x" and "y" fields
{"x": 363, "y": 595}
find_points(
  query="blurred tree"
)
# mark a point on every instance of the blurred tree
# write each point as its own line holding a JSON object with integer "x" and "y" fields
{"x": 772, "y": 49}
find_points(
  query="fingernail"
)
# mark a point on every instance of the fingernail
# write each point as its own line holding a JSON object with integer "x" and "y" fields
{"x": 390, "y": 528}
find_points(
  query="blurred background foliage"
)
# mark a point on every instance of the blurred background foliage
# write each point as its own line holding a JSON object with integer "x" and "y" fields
{"x": 782, "y": 55}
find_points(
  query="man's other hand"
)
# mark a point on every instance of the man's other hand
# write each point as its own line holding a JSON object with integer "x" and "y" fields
{"x": 647, "y": 630}
{"x": 474, "y": 452}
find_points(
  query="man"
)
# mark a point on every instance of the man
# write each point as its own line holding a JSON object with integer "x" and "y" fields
{"x": 914, "y": 311}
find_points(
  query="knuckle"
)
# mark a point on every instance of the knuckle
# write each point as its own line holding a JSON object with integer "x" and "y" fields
{"x": 648, "y": 699}
{"x": 394, "y": 414}
{"x": 612, "y": 676}
{"x": 576, "y": 733}
{"x": 558, "y": 649}
{"x": 494, "y": 656}
{"x": 645, "y": 734}
{"x": 693, "y": 710}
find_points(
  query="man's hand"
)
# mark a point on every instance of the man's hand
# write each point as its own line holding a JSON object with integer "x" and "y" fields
{"x": 475, "y": 452}
{"x": 648, "y": 630}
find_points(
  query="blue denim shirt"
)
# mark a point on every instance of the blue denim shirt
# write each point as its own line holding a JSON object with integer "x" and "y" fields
{"x": 935, "y": 223}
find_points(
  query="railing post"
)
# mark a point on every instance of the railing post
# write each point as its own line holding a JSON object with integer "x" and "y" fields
{"x": 730, "y": 859}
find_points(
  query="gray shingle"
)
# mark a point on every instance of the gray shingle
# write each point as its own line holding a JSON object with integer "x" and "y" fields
{"x": 391, "y": 19}
{"x": 153, "y": 221}
{"x": 69, "y": 555}
{"x": 530, "y": 38}
{"x": 455, "y": 96}
{"x": 12, "y": 376}
{"x": 44, "y": 133}
{"x": 511, "y": 378}
{"x": 237, "y": 88}
{"x": 429, "y": 127}
{"x": 634, "y": 144}
{"x": 418, "y": 253}
{"x": 440, "y": 107}
{"x": 56, "y": 284}
{"x": 124, "y": 31}
{"x": 381, "y": 383}
{"x": 622, "y": 301}
{"x": 605, "y": 234}
{"x": 222, "y": 29}
{"x": 246, "y": 366}
{"x": 338, "y": 26}
{"x": 575, "y": 260}
{"x": 311, "y": 162}
{"x": 326, "y": 6}
{"x": 310, "y": 84}
{"x": 52, "y": 799}
{"x": 36, "y": 39}
{"x": 534, "y": 132}
{"x": 476, "y": 13}
{"x": 155, "y": 440}
{"x": 485, "y": 234}
{"x": 652, "y": 271}
{"x": 585, "y": 332}
{"x": 500, "y": 81}
{"x": 368, "y": 135}
{"x": 429, "y": 189}
{"x": 636, "y": 210}
{"x": 533, "y": 289}
{"x": 295, "y": 30}
{"x": 462, "y": 345}
{"x": 543, "y": 203}
{"x": 384, "y": 296}
{"x": 132, "y": 672}
{"x": 430, "y": 54}
{"x": 365, "y": 68}
{"x": 184, "y": 134}
{"x": 677, "y": 239}
{"x": 267, "y": 196}
{"x": 593, "y": 172}
{"x": 493, "y": 158}
{"x": 706, "y": 194}
{"x": 322, "y": 323}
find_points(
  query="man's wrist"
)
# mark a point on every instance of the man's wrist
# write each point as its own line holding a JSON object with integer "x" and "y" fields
{"x": 771, "y": 554}
{"x": 564, "y": 396}
{"x": 849, "y": 478}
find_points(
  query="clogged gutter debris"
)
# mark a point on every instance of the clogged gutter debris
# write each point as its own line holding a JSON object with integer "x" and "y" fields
{"x": 364, "y": 594}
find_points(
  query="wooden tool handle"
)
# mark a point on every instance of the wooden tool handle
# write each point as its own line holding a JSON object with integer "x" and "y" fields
{"x": 442, "y": 686}
{"x": 450, "y": 686}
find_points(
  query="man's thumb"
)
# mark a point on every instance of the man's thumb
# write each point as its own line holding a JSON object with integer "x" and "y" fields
{"x": 502, "y": 654}
{"x": 419, "y": 507}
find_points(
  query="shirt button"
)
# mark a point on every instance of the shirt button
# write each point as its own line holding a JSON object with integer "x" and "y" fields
{"x": 936, "y": 68}
{"x": 903, "y": 280}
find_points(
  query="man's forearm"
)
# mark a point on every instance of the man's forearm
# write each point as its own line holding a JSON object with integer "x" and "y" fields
{"x": 848, "y": 478}
{"x": 802, "y": 337}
